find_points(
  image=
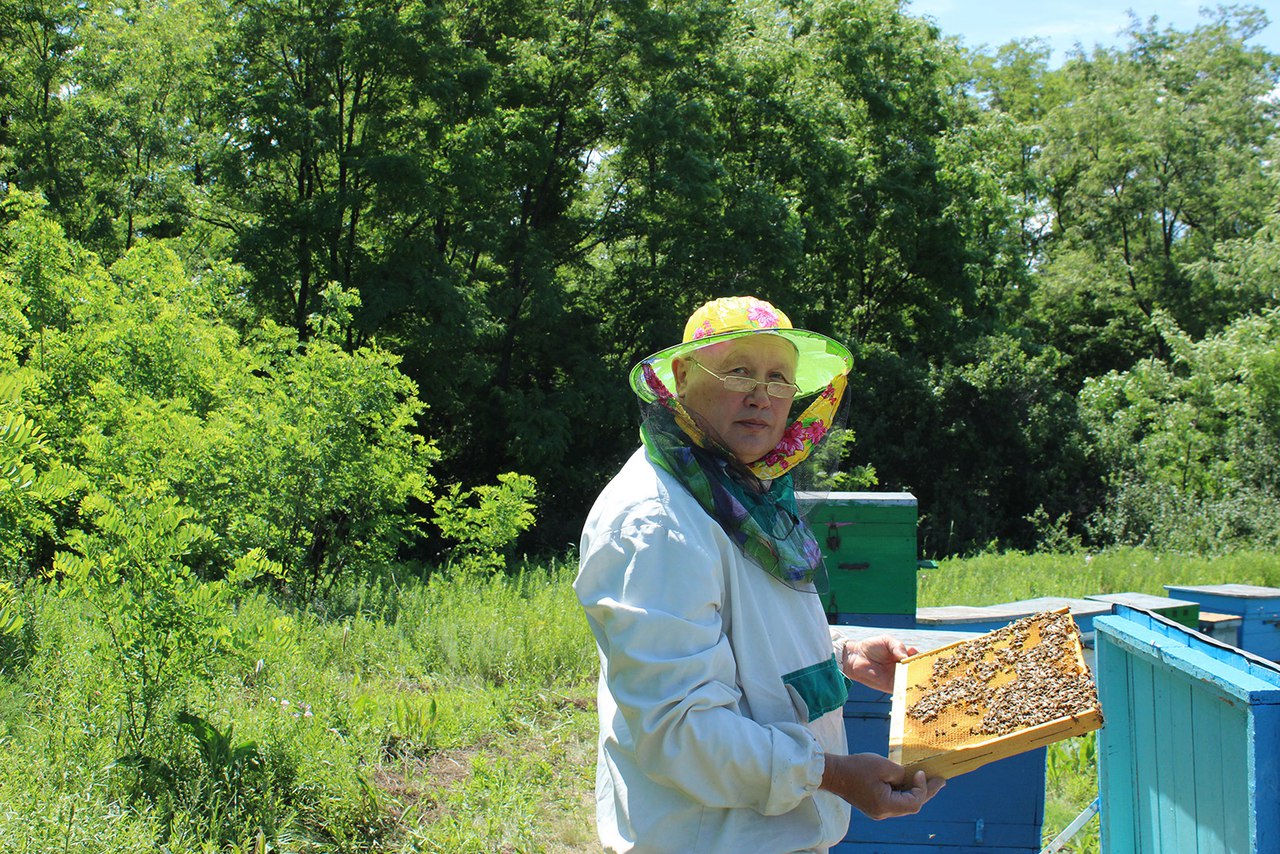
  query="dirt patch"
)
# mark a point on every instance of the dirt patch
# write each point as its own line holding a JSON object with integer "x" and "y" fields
{"x": 422, "y": 789}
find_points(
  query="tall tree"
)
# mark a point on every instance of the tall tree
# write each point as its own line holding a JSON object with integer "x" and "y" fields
{"x": 313, "y": 95}
{"x": 145, "y": 83}
{"x": 1152, "y": 161}
{"x": 37, "y": 45}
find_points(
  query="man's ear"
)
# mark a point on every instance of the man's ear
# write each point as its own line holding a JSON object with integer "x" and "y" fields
{"x": 680, "y": 370}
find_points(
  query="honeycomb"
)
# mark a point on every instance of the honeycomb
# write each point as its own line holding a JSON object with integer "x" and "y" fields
{"x": 1014, "y": 689}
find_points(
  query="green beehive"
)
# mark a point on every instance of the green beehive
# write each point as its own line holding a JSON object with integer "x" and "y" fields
{"x": 869, "y": 542}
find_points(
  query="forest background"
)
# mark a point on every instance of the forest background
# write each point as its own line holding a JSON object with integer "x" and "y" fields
{"x": 312, "y": 301}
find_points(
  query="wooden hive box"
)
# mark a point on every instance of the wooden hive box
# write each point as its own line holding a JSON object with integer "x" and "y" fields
{"x": 1190, "y": 759}
{"x": 868, "y": 540}
{"x": 1257, "y": 607}
{"x": 1178, "y": 610}
{"x": 1011, "y": 690}
{"x": 998, "y": 809}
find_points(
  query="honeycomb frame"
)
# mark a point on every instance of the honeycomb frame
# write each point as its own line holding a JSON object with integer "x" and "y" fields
{"x": 966, "y": 704}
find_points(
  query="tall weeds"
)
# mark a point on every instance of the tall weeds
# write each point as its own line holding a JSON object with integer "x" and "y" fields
{"x": 338, "y": 717}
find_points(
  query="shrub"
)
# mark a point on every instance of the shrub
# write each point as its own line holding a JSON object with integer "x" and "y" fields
{"x": 486, "y": 520}
{"x": 164, "y": 624}
{"x": 1192, "y": 444}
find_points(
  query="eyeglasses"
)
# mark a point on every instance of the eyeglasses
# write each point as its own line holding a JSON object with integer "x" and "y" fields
{"x": 746, "y": 385}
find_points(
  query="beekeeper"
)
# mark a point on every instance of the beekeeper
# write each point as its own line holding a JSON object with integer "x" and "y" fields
{"x": 721, "y": 687}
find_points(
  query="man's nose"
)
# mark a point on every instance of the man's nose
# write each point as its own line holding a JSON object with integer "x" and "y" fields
{"x": 760, "y": 395}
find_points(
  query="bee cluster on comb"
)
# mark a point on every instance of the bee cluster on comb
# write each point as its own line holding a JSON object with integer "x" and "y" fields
{"x": 981, "y": 699}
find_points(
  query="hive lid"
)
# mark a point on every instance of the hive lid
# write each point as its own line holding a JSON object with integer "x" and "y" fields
{"x": 1236, "y": 591}
{"x": 1019, "y": 687}
{"x": 1145, "y": 601}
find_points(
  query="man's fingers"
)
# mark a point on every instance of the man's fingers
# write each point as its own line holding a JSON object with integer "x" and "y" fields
{"x": 922, "y": 788}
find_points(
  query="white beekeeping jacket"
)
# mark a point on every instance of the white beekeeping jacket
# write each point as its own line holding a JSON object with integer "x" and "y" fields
{"x": 703, "y": 745}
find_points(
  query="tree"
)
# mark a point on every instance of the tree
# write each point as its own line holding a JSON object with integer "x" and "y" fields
{"x": 1190, "y": 443}
{"x": 144, "y": 79}
{"x": 39, "y": 42}
{"x": 309, "y": 454}
{"x": 983, "y": 442}
{"x": 321, "y": 102}
{"x": 1153, "y": 160}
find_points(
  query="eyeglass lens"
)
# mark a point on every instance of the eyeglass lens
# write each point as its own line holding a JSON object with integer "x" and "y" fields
{"x": 746, "y": 385}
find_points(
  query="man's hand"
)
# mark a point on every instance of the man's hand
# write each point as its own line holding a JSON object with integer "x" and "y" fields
{"x": 871, "y": 661}
{"x": 877, "y": 786}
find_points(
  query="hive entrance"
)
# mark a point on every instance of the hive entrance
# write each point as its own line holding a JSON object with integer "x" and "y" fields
{"x": 1010, "y": 690}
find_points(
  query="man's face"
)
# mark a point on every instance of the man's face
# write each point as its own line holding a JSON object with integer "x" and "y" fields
{"x": 749, "y": 424}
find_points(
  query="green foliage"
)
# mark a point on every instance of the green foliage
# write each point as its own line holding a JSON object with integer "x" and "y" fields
{"x": 10, "y": 619}
{"x": 14, "y": 653}
{"x": 416, "y": 717}
{"x": 519, "y": 202}
{"x": 1191, "y": 442}
{"x": 34, "y": 484}
{"x": 1000, "y": 410}
{"x": 1071, "y": 784}
{"x": 224, "y": 789}
{"x": 315, "y": 461}
{"x": 166, "y": 626}
{"x": 1147, "y": 170}
{"x": 407, "y": 721}
{"x": 306, "y": 452}
{"x": 355, "y": 733}
{"x": 485, "y": 520}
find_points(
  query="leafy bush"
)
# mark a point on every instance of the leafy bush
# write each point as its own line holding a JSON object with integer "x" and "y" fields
{"x": 303, "y": 450}
{"x": 1013, "y": 443}
{"x": 1192, "y": 444}
{"x": 316, "y": 461}
{"x": 485, "y": 521}
{"x": 165, "y": 625}
{"x": 34, "y": 483}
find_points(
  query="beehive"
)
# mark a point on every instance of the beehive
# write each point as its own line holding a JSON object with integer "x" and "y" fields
{"x": 868, "y": 540}
{"x": 1257, "y": 607}
{"x": 1010, "y": 690}
{"x": 997, "y": 809}
{"x": 1190, "y": 759}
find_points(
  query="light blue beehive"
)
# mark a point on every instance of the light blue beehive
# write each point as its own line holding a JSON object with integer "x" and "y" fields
{"x": 1257, "y": 607}
{"x": 1189, "y": 757}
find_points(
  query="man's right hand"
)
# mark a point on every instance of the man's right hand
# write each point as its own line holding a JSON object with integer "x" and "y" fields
{"x": 876, "y": 786}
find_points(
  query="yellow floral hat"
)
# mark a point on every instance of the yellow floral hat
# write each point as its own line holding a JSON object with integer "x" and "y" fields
{"x": 822, "y": 366}
{"x": 821, "y": 359}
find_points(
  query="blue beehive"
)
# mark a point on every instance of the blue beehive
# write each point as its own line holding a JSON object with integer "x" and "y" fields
{"x": 1189, "y": 758}
{"x": 1178, "y": 610}
{"x": 1257, "y": 607}
{"x": 996, "y": 809}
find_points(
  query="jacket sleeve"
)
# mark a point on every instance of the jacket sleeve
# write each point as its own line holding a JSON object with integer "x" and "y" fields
{"x": 652, "y": 595}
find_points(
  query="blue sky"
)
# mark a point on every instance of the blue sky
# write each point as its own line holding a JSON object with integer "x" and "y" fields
{"x": 1063, "y": 23}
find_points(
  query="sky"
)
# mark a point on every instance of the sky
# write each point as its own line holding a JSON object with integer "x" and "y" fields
{"x": 1063, "y": 23}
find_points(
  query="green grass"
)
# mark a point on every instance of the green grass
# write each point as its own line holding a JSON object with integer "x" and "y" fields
{"x": 991, "y": 579}
{"x": 438, "y": 716}
{"x": 448, "y": 715}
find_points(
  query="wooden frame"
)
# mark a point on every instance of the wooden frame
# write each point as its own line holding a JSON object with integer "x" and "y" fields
{"x": 911, "y": 746}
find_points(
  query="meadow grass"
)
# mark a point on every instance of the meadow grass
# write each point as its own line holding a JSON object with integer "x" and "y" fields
{"x": 1010, "y": 576}
{"x": 448, "y": 714}
{"x": 438, "y": 715}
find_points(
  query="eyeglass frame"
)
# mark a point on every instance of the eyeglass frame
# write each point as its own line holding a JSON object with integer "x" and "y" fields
{"x": 769, "y": 386}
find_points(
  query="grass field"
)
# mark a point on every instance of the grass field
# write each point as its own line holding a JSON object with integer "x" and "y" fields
{"x": 441, "y": 716}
